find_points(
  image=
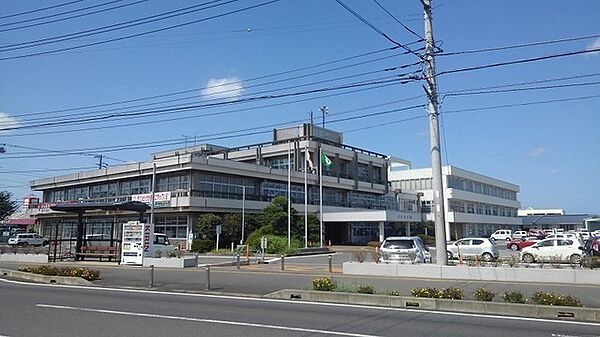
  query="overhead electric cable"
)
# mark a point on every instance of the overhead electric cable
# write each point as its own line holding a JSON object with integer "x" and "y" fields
{"x": 379, "y": 31}
{"x": 399, "y": 22}
{"x": 37, "y": 24}
{"x": 142, "y": 33}
{"x": 40, "y": 9}
{"x": 522, "y": 45}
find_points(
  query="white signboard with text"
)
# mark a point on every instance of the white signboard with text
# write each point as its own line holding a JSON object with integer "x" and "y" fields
{"x": 161, "y": 199}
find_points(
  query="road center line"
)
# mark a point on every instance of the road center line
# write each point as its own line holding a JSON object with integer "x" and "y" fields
{"x": 206, "y": 320}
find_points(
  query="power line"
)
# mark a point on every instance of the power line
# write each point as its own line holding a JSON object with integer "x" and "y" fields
{"x": 522, "y": 45}
{"x": 398, "y": 21}
{"x": 480, "y": 92}
{"x": 379, "y": 31}
{"x": 40, "y": 9}
{"x": 198, "y": 116}
{"x": 14, "y": 170}
{"x": 143, "y": 33}
{"x": 527, "y": 60}
{"x": 69, "y": 17}
{"x": 208, "y": 87}
{"x": 250, "y": 99}
{"x": 86, "y": 114}
{"x": 113, "y": 27}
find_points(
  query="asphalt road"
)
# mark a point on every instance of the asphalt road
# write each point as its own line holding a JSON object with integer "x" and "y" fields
{"x": 50, "y": 310}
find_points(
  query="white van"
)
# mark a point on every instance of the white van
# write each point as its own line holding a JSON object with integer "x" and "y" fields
{"x": 502, "y": 234}
{"x": 162, "y": 244}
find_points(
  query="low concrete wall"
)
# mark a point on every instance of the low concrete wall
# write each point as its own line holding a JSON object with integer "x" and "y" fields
{"x": 25, "y": 258}
{"x": 170, "y": 262}
{"x": 561, "y": 276}
{"x": 44, "y": 278}
{"x": 491, "y": 308}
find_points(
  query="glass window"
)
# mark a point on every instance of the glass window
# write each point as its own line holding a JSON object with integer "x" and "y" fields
{"x": 399, "y": 244}
{"x": 564, "y": 242}
{"x": 476, "y": 242}
{"x": 548, "y": 243}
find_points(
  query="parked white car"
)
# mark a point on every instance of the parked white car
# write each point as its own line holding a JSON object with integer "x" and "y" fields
{"x": 162, "y": 244}
{"x": 401, "y": 249}
{"x": 571, "y": 236}
{"x": 25, "y": 239}
{"x": 519, "y": 235}
{"x": 473, "y": 247}
{"x": 502, "y": 234}
{"x": 548, "y": 249}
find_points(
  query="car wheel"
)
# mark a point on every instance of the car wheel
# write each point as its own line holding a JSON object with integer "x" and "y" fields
{"x": 575, "y": 258}
{"x": 514, "y": 247}
{"x": 528, "y": 258}
{"x": 45, "y": 243}
{"x": 449, "y": 255}
{"x": 508, "y": 239}
{"x": 487, "y": 257}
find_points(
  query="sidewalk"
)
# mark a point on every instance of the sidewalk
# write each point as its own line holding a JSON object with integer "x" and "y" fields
{"x": 257, "y": 280}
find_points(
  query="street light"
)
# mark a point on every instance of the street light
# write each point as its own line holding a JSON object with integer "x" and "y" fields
{"x": 324, "y": 111}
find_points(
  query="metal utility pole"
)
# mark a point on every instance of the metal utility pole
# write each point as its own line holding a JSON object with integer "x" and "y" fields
{"x": 152, "y": 198}
{"x": 243, "y": 213}
{"x": 434, "y": 135}
{"x": 100, "y": 163}
{"x": 324, "y": 110}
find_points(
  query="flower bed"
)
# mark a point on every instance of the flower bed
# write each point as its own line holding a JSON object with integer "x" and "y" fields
{"x": 84, "y": 273}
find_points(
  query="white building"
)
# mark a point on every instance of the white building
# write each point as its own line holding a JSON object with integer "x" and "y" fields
{"x": 476, "y": 205}
{"x": 530, "y": 211}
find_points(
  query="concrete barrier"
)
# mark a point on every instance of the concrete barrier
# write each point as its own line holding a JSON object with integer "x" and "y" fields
{"x": 559, "y": 276}
{"x": 465, "y": 306}
{"x": 44, "y": 278}
{"x": 25, "y": 258}
{"x": 170, "y": 262}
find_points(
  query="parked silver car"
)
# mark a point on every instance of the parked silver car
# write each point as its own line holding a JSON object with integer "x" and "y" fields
{"x": 473, "y": 248}
{"x": 402, "y": 249}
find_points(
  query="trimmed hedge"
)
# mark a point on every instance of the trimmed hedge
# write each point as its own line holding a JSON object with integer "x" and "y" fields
{"x": 84, "y": 273}
{"x": 550, "y": 298}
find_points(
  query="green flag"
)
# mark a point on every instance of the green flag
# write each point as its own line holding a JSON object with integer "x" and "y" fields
{"x": 326, "y": 161}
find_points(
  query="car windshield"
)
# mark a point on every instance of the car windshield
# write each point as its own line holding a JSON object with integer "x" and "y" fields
{"x": 399, "y": 244}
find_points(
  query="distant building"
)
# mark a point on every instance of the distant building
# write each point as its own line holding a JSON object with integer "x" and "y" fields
{"x": 358, "y": 204}
{"x": 476, "y": 205}
{"x": 548, "y": 211}
{"x": 567, "y": 222}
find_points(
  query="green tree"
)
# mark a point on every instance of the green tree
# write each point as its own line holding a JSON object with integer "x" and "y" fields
{"x": 275, "y": 215}
{"x": 206, "y": 224}
{"x": 7, "y": 206}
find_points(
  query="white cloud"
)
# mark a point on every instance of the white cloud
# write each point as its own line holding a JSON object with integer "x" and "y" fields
{"x": 7, "y": 122}
{"x": 537, "y": 152}
{"x": 553, "y": 172}
{"x": 228, "y": 87}
{"x": 594, "y": 45}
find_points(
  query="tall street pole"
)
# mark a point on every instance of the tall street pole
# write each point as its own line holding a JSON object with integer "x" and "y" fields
{"x": 243, "y": 213}
{"x": 434, "y": 135}
{"x": 305, "y": 198}
{"x": 289, "y": 231}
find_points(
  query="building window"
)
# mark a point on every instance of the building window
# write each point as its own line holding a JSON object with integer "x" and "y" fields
{"x": 173, "y": 226}
{"x": 173, "y": 183}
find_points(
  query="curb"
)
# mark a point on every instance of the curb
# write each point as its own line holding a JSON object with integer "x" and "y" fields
{"x": 465, "y": 306}
{"x": 67, "y": 280}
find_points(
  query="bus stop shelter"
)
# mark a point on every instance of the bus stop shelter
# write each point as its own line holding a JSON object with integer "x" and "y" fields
{"x": 81, "y": 208}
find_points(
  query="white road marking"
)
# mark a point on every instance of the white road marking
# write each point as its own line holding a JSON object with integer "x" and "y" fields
{"x": 206, "y": 320}
{"x": 295, "y": 302}
{"x": 559, "y": 335}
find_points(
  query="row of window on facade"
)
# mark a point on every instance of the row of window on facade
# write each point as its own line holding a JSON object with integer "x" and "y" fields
{"x": 460, "y": 184}
{"x": 229, "y": 187}
{"x": 461, "y": 206}
{"x": 105, "y": 229}
{"x": 363, "y": 172}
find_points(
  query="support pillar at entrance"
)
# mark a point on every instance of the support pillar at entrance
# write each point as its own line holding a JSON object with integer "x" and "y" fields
{"x": 381, "y": 231}
{"x": 408, "y": 229}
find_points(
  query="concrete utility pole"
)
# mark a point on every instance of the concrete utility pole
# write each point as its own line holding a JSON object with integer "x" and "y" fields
{"x": 434, "y": 135}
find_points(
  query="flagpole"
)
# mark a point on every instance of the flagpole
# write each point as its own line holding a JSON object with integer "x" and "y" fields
{"x": 305, "y": 199}
{"x": 289, "y": 197}
{"x": 321, "y": 195}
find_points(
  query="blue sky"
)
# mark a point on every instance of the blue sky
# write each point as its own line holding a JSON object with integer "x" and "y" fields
{"x": 550, "y": 150}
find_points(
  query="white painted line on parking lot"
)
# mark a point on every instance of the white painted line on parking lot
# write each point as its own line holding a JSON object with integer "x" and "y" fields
{"x": 295, "y": 302}
{"x": 206, "y": 320}
{"x": 559, "y": 335}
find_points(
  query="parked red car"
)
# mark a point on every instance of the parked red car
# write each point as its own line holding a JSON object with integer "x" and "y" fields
{"x": 516, "y": 245}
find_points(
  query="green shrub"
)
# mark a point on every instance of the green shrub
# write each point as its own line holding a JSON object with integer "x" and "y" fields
{"x": 324, "y": 284}
{"x": 550, "y": 298}
{"x": 451, "y": 293}
{"x": 359, "y": 256}
{"x": 483, "y": 294}
{"x": 514, "y": 296}
{"x": 446, "y": 293}
{"x": 591, "y": 262}
{"x": 365, "y": 289}
{"x": 275, "y": 244}
{"x": 202, "y": 246}
{"x": 253, "y": 239}
{"x": 88, "y": 274}
{"x": 374, "y": 244}
{"x": 393, "y": 293}
{"x": 424, "y": 292}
